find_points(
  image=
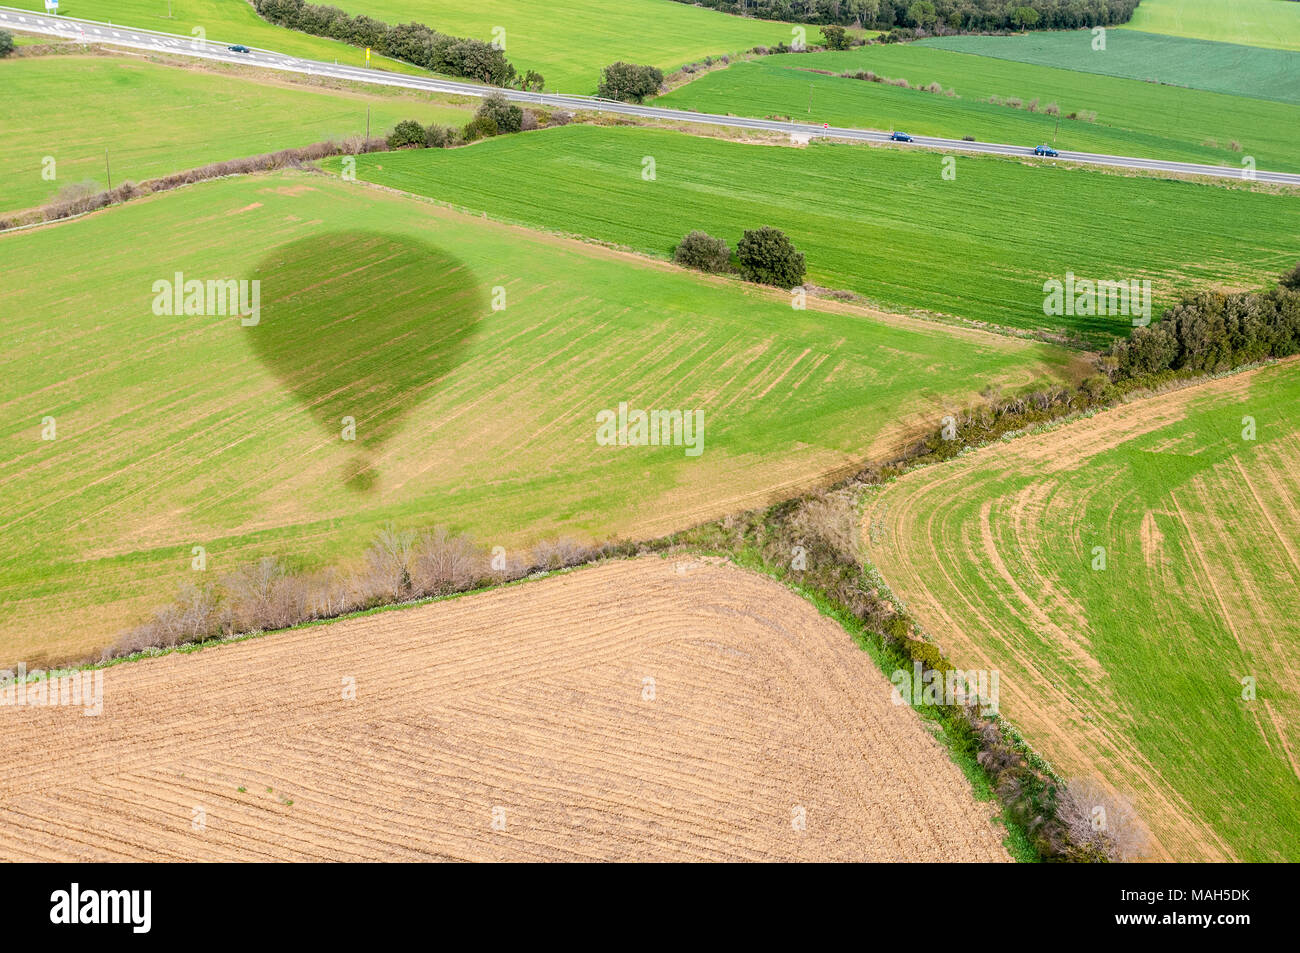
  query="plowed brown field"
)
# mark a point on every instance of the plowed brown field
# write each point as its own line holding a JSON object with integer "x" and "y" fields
{"x": 511, "y": 725}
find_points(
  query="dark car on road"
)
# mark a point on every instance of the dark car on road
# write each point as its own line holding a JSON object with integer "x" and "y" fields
{"x": 239, "y": 48}
{"x": 1046, "y": 151}
{"x": 900, "y": 137}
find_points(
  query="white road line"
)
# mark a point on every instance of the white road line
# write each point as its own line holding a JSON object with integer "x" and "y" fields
{"x": 149, "y": 39}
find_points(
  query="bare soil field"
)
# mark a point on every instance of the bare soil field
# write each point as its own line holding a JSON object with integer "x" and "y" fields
{"x": 643, "y": 710}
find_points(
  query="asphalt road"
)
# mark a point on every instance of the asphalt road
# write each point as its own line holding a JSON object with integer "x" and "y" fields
{"x": 133, "y": 38}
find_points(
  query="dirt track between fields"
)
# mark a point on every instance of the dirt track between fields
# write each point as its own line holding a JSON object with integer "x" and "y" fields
{"x": 511, "y": 725}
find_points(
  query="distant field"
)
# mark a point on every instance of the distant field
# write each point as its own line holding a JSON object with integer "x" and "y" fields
{"x": 745, "y": 725}
{"x": 1132, "y": 674}
{"x": 1229, "y": 68}
{"x": 175, "y": 432}
{"x": 1133, "y": 118}
{"x": 1274, "y": 23}
{"x": 879, "y": 221}
{"x": 154, "y": 119}
{"x": 225, "y": 21}
{"x": 570, "y": 41}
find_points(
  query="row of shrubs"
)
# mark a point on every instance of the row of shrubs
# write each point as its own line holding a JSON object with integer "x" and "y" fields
{"x": 495, "y": 116}
{"x": 763, "y": 255}
{"x": 871, "y": 77}
{"x": 401, "y": 565}
{"x": 82, "y": 197}
{"x": 410, "y": 42}
{"x": 937, "y": 16}
{"x": 1209, "y": 332}
{"x": 824, "y": 528}
{"x": 1214, "y": 331}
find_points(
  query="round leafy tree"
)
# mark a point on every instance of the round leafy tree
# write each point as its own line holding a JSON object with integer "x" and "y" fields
{"x": 767, "y": 257}
{"x": 701, "y": 250}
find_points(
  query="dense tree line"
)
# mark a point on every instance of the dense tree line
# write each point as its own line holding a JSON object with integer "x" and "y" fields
{"x": 1215, "y": 331}
{"x": 943, "y": 16}
{"x": 410, "y": 42}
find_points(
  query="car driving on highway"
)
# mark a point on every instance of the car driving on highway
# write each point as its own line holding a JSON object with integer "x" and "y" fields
{"x": 239, "y": 48}
{"x": 1046, "y": 151}
{"x": 900, "y": 137}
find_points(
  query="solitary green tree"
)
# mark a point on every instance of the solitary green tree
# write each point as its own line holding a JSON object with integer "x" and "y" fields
{"x": 406, "y": 134}
{"x": 1024, "y": 17}
{"x": 767, "y": 256}
{"x": 835, "y": 38}
{"x": 507, "y": 116}
{"x": 628, "y": 82}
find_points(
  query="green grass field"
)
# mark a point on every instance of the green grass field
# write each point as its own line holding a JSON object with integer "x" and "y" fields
{"x": 882, "y": 222}
{"x": 155, "y": 119}
{"x": 1273, "y": 23}
{"x": 1133, "y": 118}
{"x": 174, "y": 432}
{"x": 570, "y": 41}
{"x": 1131, "y": 670}
{"x": 1228, "y": 68}
{"x": 223, "y": 21}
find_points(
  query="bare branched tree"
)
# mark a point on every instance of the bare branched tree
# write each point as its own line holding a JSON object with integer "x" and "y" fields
{"x": 1102, "y": 819}
{"x": 389, "y": 558}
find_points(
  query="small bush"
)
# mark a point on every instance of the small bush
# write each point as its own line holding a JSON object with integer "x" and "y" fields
{"x": 441, "y": 137}
{"x": 835, "y": 38}
{"x": 505, "y": 115}
{"x": 407, "y": 134}
{"x": 446, "y": 563}
{"x": 480, "y": 127}
{"x": 704, "y": 252}
{"x": 768, "y": 257}
{"x": 1102, "y": 821}
{"x": 6, "y": 43}
{"x": 629, "y": 82}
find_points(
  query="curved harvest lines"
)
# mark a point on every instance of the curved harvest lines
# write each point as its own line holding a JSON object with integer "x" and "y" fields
{"x": 1131, "y": 673}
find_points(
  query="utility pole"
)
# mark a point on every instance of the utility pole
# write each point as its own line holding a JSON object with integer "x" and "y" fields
{"x": 810, "y": 86}
{"x": 367, "y": 124}
{"x": 108, "y": 170}
{"x": 1057, "y": 129}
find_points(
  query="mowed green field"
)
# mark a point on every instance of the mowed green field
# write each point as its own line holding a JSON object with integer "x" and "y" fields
{"x": 1274, "y": 23}
{"x": 222, "y": 21}
{"x": 570, "y": 41}
{"x": 882, "y": 222}
{"x": 1229, "y": 68}
{"x": 154, "y": 119}
{"x": 1133, "y": 118}
{"x": 178, "y": 431}
{"x": 1135, "y": 578}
